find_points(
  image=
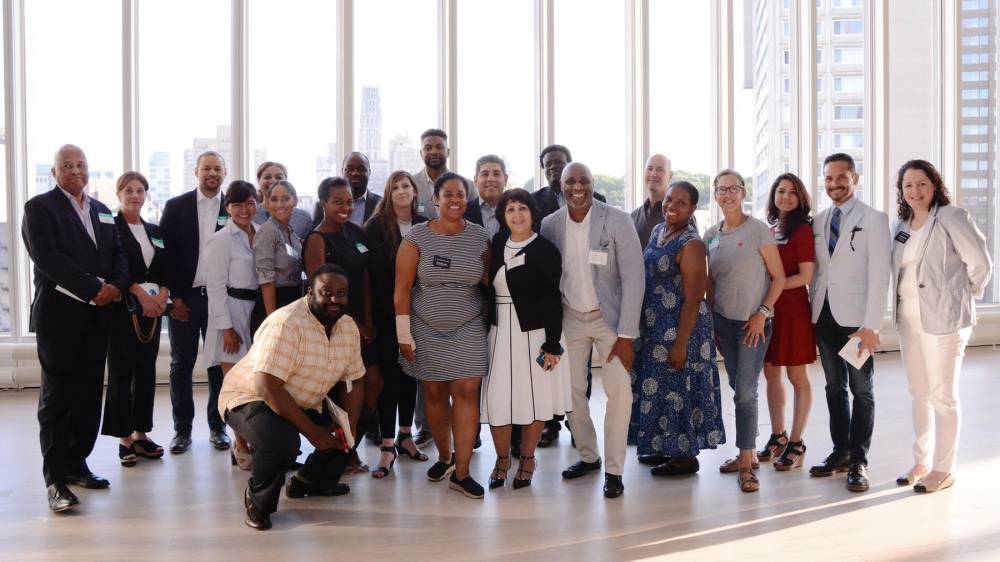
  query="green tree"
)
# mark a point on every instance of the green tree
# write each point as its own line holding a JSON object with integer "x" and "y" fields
{"x": 612, "y": 188}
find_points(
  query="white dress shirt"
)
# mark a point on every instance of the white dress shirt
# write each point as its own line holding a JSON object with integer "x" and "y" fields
{"x": 230, "y": 263}
{"x": 83, "y": 213}
{"x": 579, "y": 293}
{"x": 489, "y": 213}
{"x": 208, "y": 215}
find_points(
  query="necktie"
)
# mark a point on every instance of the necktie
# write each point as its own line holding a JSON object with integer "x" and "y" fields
{"x": 834, "y": 230}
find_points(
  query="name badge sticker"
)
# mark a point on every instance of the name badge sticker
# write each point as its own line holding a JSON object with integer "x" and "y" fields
{"x": 105, "y": 218}
{"x": 713, "y": 244}
{"x": 598, "y": 258}
{"x": 515, "y": 261}
{"x": 421, "y": 208}
{"x": 361, "y": 247}
{"x": 221, "y": 221}
{"x": 156, "y": 242}
{"x": 902, "y": 237}
{"x": 441, "y": 261}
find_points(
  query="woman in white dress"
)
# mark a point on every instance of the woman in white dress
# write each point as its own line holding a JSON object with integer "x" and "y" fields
{"x": 527, "y": 384}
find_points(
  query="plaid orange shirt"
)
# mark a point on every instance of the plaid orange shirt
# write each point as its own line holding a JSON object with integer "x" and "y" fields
{"x": 292, "y": 345}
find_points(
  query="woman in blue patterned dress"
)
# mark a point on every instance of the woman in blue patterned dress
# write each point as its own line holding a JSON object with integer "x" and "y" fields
{"x": 678, "y": 401}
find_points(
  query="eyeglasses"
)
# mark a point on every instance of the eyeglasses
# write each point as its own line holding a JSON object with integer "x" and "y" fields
{"x": 729, "y": 189}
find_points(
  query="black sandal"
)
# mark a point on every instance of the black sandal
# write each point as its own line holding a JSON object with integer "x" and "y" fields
{"x": 382, "y": 471}
{"x": 791, "y": 457}
{"x": 400, "y": 439}
{"x": 774, "y": 446}
{"x": 126, "y": 455}
{"x": 524, "y": 482}
{"x": 499, "y": 475}
{"x": 147, "y": 448}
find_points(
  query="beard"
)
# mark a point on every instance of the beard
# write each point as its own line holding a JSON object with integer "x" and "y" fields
{"x": 322, "y": 314}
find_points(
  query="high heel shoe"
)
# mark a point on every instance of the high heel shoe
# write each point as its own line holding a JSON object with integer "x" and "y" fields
{"x": 791, "y": 457}
{"x": 242, "y": 459}
{"x": 774, "y": 446}
{"x": 524, "y": 482}
{"x": 383, "y": 471}
{"x": 400, "y": 449}
{"x": 499, "y": 475}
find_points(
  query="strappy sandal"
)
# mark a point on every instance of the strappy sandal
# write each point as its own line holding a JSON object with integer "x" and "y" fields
{"x": 383, "y": 471}
{"x": 147, "y": 448}
{"x": 791, "y": 457}
{"x": 524, "y": 482}
{"x": 499, "y": 475}
{"x": 733, "y": 465}
{"x": 748, "y": 480}
{"x": 126, "y": 454}
{"x": 774, "y": 446}
{"x": 402, "y": 438}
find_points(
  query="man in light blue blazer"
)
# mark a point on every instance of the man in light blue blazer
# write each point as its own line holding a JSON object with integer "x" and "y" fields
{"x": 848, "y": 299}
{"x": 602, "y": 286}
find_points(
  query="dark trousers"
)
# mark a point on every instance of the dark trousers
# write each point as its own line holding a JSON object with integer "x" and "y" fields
{"x": 69, "y": 404}
{"x": 399, "y": 393}
{"x": 131, "y": 374}
{"x": 850, "y": 431}
{"x": 275, "y": 443}
{"x": 183, "y": 354}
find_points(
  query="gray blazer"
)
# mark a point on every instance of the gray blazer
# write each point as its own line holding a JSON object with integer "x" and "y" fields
{"x": 621, "y": 284}
{"x": 855, "y": 279}
{"x": 953, "y": 268}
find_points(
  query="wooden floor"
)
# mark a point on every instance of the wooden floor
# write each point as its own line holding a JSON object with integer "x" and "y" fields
{"x": 189, "y": 507}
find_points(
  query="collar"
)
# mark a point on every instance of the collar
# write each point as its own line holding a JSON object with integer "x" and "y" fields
{"x": 363, "y": 197}
{"x": 232, "y": 228}
{"x": 72, "y": 200}
{"x": 648, "y": 204}
{"x": 199, "y": 196}
{"x": 314, "y": 322}
{"x": 483, "y": 203}
{"x": 846, "y": 208}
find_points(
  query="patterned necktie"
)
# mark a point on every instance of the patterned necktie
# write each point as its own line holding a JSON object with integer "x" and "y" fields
{"x": 834, "y": 230}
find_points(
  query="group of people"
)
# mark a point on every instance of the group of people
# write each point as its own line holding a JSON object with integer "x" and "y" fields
{"x": 451, "y": 303}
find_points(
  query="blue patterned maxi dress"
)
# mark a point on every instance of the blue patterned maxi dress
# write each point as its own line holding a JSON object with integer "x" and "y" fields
{"x": 675, "y": 413}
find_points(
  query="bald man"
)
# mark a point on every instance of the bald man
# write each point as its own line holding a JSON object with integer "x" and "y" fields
{"x": 658, "y": 175}
{"x": 80, "y": 267}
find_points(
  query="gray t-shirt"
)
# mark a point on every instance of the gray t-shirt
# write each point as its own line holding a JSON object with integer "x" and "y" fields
{"x": 739, "y": 276}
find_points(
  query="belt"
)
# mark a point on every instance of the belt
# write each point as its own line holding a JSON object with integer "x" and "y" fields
{"x": 200, "y": 291}
{"x": 242, "y": 294}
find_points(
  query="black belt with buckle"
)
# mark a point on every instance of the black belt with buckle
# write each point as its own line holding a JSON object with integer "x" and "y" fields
{"x": 242, "y": 294}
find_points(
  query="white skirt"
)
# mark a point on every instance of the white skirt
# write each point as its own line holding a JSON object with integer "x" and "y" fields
{"x": 517, "y": 390}
{"x": 239, "y": 315}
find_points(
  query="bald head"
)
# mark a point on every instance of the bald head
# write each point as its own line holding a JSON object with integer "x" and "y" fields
{"x": 69, "y": 168}
{"x": 578, "y": 188}
{"x": 658, "y": 175}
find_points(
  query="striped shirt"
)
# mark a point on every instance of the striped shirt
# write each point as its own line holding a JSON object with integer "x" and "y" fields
{"x": 292, "y": 345}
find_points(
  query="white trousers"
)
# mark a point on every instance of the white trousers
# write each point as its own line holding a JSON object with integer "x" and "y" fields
{"x": 932, "y": 367}
{"x": 582, "y": 331}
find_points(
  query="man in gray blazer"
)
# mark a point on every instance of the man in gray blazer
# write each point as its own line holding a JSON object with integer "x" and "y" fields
{"x": 602, "y": 286}
{"x": 848, "y": 299}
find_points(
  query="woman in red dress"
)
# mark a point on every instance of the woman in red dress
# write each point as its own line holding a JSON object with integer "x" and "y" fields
{"x": 793, "y": 344}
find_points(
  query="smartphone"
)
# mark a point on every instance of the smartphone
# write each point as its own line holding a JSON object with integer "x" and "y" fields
{"x": 540, "y": 359}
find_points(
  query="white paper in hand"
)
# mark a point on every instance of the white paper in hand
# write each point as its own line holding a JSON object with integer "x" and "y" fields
{"x": 850, "y": 353}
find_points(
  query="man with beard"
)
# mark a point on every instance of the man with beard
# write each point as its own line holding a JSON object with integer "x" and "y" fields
{"x": 356, "y": 170}
{"x": 658, "y": 175}
{"x": 278, "y": 390}
{"x": 490, "y": 179}
{"x": 434, "y": 151}
{"x": 550, "y": 198}
{"x": 188, "y": 221}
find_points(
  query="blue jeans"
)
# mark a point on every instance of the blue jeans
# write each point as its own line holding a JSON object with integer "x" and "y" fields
{"x": 743, "y": 367}
{"x": 183, "y": 355}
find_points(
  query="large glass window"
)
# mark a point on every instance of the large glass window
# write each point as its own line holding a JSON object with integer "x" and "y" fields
{"x": 680, "y": 109}
{"x": 7, "y": 239}
{"x": 184, "y": 91}
{"x": 395, "y": 75}
{"x": 496, "y": 94}
{"x": 293, "y": 89}
{"x": 591, "y": 91}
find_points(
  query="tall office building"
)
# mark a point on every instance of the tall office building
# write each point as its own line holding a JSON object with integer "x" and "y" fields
{"x": 370, "y": 129}
{"x": 159, "y": 179}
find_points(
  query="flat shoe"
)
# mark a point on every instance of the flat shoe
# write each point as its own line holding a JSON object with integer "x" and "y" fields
{"x": 926, "y": 486}
{"x": 912, "y": 477}
{"x": 146, "y": 448}
{"x": 733, "y": 465}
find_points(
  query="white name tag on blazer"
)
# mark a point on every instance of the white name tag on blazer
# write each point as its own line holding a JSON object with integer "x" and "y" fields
{"x": 105, "y": 218}
{"x": 598, "y": 258}
{"x": 515, "y": 261}
{"x": 221, "y": 221}
{"x": 156, "y": 242}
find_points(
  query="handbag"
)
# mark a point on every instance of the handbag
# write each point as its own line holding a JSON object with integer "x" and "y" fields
{"x": 135, "y": 311}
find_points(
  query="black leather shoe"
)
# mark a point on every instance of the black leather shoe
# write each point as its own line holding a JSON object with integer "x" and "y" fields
{"x": 60, "y": 498}
{"x": 857, "y": 477}
{"x": 180, "y": 443}
{"x": 653, "y": 460}
{"x": 256, "y": 519}
{"x": 88, "y": 480}
{"x": 676, "y": 467}
{"x": 581, "y": 468}
{"x": 550, "y": 434}
{"x": 613, "y": 486}
{"x": 219, "y": 439}
{"x": 297, "y": 488}
{"x": 831, "y": 464}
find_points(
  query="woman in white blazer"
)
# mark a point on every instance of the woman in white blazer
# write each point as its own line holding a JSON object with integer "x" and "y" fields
{"x": 940, "y": 266}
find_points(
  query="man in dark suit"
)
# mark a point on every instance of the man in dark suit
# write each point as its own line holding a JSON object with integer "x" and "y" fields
{"x": 80, "y": 267}
{"x": 187, "y": 222}
{"x": 490, "y": 180}
{"x": 550, "y": 198}
{"x": 356, "y": 170}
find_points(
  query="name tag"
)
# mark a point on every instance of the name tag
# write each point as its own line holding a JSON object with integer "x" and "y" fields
{"x": 156, "y": 242}
{"x": 441, "y": 261}
{"x": 713, "y": 244}
{"x": 420, "y": 208}
{"x": 221, "y": 221}
{"x": 361, "y": 247}
{"x": 902, "y": 237}
{"x": 598, "y": 258}
{"x": 291, "y": 251}
{"x": 515, "y": 261}
{"x": 105, "y": 218}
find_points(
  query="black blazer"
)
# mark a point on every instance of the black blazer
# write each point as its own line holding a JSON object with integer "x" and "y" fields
{"x": 534, "y": 287}
{"x": 382, "y": 271}
{"x": 64, "y": 255}
{"x": 371, "y": 200}
{"x": 180, "y": 230}
{"x": 473, "y": 212}
{"x": 137, "y": 270}
{"x": 548, "y": 204}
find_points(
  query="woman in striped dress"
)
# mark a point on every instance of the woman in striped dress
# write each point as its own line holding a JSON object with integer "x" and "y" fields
{"x": 441, "y": 328}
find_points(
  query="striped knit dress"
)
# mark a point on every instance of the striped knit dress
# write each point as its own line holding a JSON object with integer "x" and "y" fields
{"x": 446, "y": 316}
